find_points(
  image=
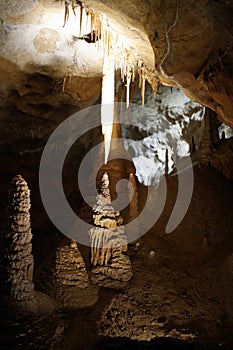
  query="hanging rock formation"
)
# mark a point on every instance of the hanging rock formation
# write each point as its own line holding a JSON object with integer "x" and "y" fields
{"x": 17, "y": 251}
{"x": 111, "y": 266}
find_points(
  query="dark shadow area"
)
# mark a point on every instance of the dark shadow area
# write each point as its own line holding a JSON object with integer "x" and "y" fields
{"x": 163, "y": 343}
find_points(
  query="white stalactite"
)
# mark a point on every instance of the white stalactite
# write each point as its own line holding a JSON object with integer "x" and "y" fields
{"x": 108, "y": 92}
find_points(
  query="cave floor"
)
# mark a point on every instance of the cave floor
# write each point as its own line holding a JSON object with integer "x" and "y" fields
{"x": 180, "y": 296}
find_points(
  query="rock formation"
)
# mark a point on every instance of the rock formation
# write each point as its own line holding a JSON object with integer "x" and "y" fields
{"x": 133, "y": 213}
{"x": 108, "y": 242}
{"x": 70, "y": 268}
{"x": 70, "y": 275}
{"x": 207, "y": 143}
{"x": 17, "y": 251}
{"x": 133, "y": 205}
{"x": 215, "y": 152}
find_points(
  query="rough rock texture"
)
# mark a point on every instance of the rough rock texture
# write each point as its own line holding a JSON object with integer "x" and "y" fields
{"x": 133, "y": 213}
{"x": 115, "y": 274}
{"x": 70, "y": 268}
{"x": 162, "y": 132}
{"x": 107, "y": 235}
{"x": 65, "y": 279}
{"x": 215, "y": 152}
{"x": 18, "y": 259}
{"x": 192, "y": 44}
{"x": 108, "y": 242}
{"x": 125, "y": 317}
{"x": 71, "y": 283}
{"x": 207, "y": 142}
{"x": 45, "y": 76}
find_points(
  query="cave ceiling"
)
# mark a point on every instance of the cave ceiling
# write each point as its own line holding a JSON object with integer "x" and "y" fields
{"x": 187, "y": 44}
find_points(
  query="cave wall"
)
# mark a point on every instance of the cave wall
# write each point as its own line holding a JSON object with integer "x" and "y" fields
{"x": 47, "y": 73}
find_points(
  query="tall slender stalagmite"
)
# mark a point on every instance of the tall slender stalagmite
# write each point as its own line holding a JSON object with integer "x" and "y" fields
{"x": 133, "y": 213}
{"x": 207, "y": 144}
{"x": 18, "y": 259}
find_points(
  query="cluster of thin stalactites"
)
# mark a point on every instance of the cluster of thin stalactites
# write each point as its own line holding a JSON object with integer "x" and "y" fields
{"x": 108, "y": 42}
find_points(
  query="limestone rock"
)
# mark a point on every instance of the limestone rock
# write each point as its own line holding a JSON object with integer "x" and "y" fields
{"x": 17, "y": 252}
{"x": 207, "y": 144}
{"x": 108, "y": 242}
{"x": 71, "y": 287}
{"x": 215, "y": 152}
{"x": 115, "y": 274}
{"x": 70, "y": 268}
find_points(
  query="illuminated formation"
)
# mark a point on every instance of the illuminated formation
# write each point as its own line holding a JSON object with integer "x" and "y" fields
{"x": 116, "y": 54}
{"x": 17, "y": 254}
{"x": 110, "y": 265}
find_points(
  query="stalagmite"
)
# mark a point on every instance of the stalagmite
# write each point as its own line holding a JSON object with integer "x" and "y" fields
{"x": 210, "y": 154}
{"x": 214, "y": 129}
{"x": 133, "y": 206}
{"x": 70, "y": 268}
{"x": 207, "y": 146}
{"x": 17, "y": 253}
{"x": 166, "y": 162}
{"x": 108, "y": 242}
{"x": 107, "y": 102}
{"x": 133, "y": 212}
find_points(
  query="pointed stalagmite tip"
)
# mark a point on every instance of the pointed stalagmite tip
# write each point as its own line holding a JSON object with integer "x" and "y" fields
{"x": 105, "y": 192}
{"x": 18, "y": 179}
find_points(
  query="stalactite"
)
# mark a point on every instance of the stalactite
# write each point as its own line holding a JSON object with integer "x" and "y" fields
{"x": 87, "y": 21}
{"x": 140, "y": 64}
{"x": 153, "y": 81}
{"x": 81, "y": 18}
{"x": 107, "y": 102}
{"x": 92, "y": 25}
{"x": 101, "y": 43}
{"x": 143, "y": 88}
{"x": 66, "y": 15}
{"x": 133, "y": 73}
{"x": 128, "y": 81}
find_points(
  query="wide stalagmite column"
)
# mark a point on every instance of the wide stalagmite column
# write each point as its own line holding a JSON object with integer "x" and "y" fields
{"x": 110, "y": 264}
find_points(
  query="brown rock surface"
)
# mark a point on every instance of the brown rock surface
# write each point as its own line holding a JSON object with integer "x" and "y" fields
{"x": 108, "y": 243}
{"x": 18, "y": 259}
{"x": 71, "y": 283}
{"x": 70, "y": 268}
